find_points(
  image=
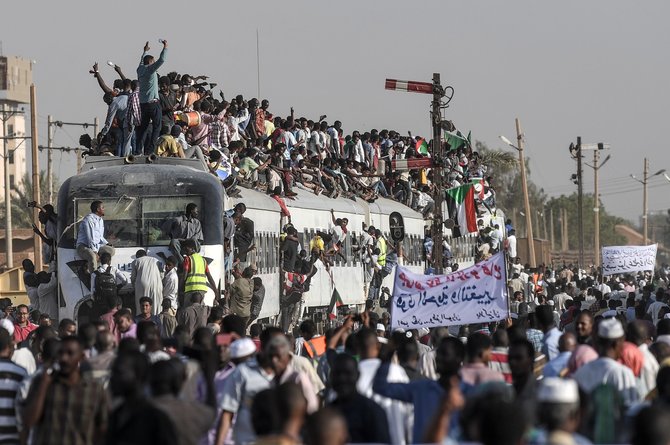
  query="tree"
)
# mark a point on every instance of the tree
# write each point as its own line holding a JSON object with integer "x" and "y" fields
{"x": 506, "y": 180}
{"x": 22, "y": 215}
{"x": 608, "y": 236}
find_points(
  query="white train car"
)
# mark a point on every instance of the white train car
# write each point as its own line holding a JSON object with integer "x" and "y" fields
{"x": 309, "y": 214}
{"x": 266, "y": 215}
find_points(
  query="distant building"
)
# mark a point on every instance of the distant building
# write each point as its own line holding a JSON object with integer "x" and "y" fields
{"x": 16, "y": 75}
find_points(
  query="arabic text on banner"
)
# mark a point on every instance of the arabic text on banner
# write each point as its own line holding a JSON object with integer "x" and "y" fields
{"x": 477, "y": 294}
{"x": 625, "y": 259}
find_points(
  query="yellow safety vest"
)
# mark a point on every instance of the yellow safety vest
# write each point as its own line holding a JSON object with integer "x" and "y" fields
{"x": 196, "y": 280}
{"x": 381, "y": 242}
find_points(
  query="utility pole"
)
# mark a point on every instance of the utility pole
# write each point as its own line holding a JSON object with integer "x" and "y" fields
{"x": 544, "y": 224}
{"x": 37, "y": 242}
{"x": 551, "y": 227}
{"x": 50, "y": 177}
{"x": 526, "y": 202}
{"x": 8, "y": 202}
{"x": 596, "y": 210}
{"x": 580, "y": 203}
{"x": 644, "y": 201}
{"x": 565, "y": 237}
{"x": 437, "y": 174}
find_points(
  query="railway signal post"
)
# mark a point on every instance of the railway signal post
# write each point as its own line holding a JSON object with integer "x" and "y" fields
{"x": 436, "y": 89}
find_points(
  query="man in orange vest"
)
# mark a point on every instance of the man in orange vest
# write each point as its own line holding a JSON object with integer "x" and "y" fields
{"x": 314, "y": 346}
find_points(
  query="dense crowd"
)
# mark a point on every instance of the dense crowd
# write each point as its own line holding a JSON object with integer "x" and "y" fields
{"x": 581, "y": 359}
{"x": 245, "y": 144}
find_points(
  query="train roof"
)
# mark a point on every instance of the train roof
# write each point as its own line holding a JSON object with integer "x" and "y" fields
{"x": 308, "y": 200}
{"x": 97, "y": 162}
{"x": 386, "y": 206}
{"x": 138, "y": 174}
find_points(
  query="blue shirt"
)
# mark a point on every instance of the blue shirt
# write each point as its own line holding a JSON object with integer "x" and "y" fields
{"x": 555, "y": 366}
{"x": 550, "y": 343}
{"x": 91, "y": 232}
{"x": 146, "y": 74}
{"x": 426, "y": 396}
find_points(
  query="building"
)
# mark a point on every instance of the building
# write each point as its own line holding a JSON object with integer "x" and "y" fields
{"x": 16, "y": 75}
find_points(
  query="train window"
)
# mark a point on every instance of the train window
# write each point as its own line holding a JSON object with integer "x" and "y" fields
{"x": 121, "y": 220}
{"x": 159, "y": 213}
{"x": 272, "y": 249}
{"x": 301, "y": 240}
{"x": 260, "y": 251}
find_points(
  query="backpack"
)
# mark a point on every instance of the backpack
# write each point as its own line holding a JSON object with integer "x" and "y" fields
{"x": 105, "y": 285}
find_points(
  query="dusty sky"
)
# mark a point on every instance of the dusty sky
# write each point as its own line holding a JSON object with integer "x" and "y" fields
{"x": 595, "y": 69}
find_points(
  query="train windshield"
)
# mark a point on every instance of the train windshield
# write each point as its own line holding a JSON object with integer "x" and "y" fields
{"x": 139, "y": 220}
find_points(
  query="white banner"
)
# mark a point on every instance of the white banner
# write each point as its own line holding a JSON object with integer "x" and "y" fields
{"x": 477, "y": 294}
{"x": 624, "y": 259}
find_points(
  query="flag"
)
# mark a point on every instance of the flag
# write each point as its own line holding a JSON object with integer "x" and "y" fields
{"x": 421, "y": 146}
{"x": 455, "y": 139}
{"x": 335, "y": 302}
{"x": 461, "y": 204}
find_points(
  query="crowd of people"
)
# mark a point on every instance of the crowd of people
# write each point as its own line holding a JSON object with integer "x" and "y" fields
{"x": 580, "y": 360}
{"x": 245, "y": 144}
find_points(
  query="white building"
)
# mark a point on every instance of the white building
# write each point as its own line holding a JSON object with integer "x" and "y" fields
{"x": 15, "y": 79}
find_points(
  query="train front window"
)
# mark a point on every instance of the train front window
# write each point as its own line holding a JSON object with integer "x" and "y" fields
{"x": 158, "y": 214}
{"x": 121, "y": 219}
{"x": 139, "y": 221}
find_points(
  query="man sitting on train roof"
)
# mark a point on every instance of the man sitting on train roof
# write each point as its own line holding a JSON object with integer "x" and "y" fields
{"x": 183, "y": 227}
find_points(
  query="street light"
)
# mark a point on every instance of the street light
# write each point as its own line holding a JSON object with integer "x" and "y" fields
{"x": 524, "y": 187}
{"x": 644, "y": 181}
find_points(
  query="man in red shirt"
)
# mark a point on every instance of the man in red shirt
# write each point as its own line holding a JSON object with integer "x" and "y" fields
{"x": 22, "y": 326}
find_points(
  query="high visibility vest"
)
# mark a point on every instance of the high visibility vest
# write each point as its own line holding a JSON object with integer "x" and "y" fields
{"x": 316, "y": 347}
{"x": 381, "y": 243}
{"x": 196, "y": 280}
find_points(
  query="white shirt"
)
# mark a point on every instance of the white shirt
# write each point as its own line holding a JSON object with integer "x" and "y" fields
{"x": 496, "y": 238}
{"x": 511, "y": 240}
{"x": 399, "y": 414}
{"x": 647, "y": 380}
{"x": 122, "y": 278}
{"x": 170, "y": 285}
{"x": 605, "y": 371}
{"x": 359, "y": 153}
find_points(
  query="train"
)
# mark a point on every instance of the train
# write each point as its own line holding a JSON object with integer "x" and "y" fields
{"x": 139, "y": 193}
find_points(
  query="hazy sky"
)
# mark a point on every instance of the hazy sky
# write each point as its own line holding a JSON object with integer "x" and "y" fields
{"x": 596, "y": 69}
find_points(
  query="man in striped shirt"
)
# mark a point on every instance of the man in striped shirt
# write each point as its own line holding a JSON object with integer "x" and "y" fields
{"x": 11, "y": 377}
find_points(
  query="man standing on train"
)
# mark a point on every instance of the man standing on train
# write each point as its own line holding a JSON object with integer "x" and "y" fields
{"x": 91, "y": 237}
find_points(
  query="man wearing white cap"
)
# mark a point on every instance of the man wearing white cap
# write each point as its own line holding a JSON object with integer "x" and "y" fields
{"x": 606, "y": 370}
{"x": 239, "y": 390}
{"x": 558, "y": 412}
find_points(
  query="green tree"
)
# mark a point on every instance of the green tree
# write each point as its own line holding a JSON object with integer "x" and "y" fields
{"x": 22, "y": 215}
{"x": 608, "y": 236}
{"x": 503, "y": 167}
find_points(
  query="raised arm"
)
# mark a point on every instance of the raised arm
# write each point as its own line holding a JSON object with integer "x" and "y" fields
{"x": 117, "y": 68}
{"x": 99, "y": 78}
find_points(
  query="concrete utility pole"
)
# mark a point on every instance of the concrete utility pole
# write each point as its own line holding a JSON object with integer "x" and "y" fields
{"x": 596, "y": 209}
{"x": 551, "y": 227}
{"x": 50, "y": 174}
{"x": 6, "y": 114}
{"x": 644, "y": 201}
{"x": 645, "y": 210}
{"x": 596, "y": 202}
{"x": 526, "y": 202}
{"x": 37, "y": 241}
{"x": 524, "y": 187}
